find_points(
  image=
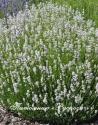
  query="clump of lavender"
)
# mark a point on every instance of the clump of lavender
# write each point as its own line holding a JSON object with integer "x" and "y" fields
{"x": 3, "y": 7}
{"x": 49, "y": 61}
{"x": 11, "y": 7}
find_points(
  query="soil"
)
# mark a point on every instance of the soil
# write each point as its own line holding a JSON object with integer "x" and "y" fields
{"x": 8, "y": 118}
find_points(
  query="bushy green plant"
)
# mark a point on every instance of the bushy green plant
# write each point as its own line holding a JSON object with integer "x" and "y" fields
{"x": 49, "y": 64}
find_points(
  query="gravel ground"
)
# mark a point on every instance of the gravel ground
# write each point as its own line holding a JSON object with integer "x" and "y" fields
{"x": 7, "y": 118}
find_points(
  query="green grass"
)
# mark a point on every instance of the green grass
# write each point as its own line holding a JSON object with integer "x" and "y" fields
{"x": 90, "y": 7}
{"x": 1, "y": 15}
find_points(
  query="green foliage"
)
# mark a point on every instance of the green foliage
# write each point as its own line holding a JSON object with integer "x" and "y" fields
{"x": 1, "y": 14}
{"x": 90, "y": 8}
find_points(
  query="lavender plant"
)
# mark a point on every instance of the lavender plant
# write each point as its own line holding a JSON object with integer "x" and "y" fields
{"x": 11, "y": 7}
{"x": 49, "y": 64}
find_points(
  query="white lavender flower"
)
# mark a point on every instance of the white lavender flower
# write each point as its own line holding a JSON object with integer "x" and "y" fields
{"x": 96, "y": 32}
{"x": 15, "y": 86}
{"x": 97, "y": 87}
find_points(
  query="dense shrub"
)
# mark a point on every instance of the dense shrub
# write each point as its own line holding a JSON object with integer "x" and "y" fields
{"x": 49, "y": 59}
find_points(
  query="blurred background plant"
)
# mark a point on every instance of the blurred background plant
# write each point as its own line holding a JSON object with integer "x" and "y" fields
{"x": 10, "y": 7}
